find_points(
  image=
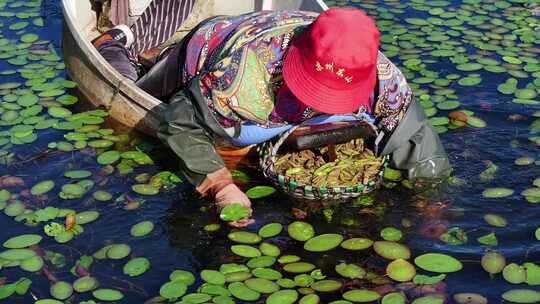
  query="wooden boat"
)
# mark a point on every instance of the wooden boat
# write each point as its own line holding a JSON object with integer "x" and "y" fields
{"x": 103, "y": 86}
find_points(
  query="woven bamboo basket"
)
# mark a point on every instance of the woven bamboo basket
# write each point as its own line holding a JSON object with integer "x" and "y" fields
{"x": 268, "y": 154}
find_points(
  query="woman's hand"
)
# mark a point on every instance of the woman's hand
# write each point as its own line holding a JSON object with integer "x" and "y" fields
{"x": 231, "y": 194}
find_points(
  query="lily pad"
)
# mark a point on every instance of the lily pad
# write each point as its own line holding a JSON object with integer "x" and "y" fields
{"x": 493, "y": 262}
{"x": 391, "y": 250}
{"x": 261, "y": 285}
{"x": 428, "y": 300}
{"x": 394, "y": 298}
{"x": 269, "y": 249}
{"x": 118, "y": 251}
{"x": 173, "y": 290}
{"x": 17, "y": 254}
{"x": 533, "y": 273}
{"x": 357, "y": 244}
{"x": 14, "y": 209}
{"x": 326, "y": 286}
{"x": 476, "y": 122}
{"x": 270, "y": 230}
{"x": 495, "y": 220}
{"x": 286, "y": 296}
{"x": 300, "y": 231}
{"x": 522, "y": 296}
{"x": 361, "y": 295}
{"x": 286, "y": 259}
{"x": 497, "y": 192}
{"x": 267, "y": 273}
{"x": 61, "y": 290}
{"x": 102, "y": 196}
{"x": 42, "y": 187}
{"x": 71, "y": 191}
{"x": 421, "y": 279}
{"x": 241, "y": 291}
{"x": 391, "y": 234}
{"x": 22, "y": 241}
{"x": 33, "y": 264}
{"x": 75, "y": 174}
{"x": 194, "y": 298}
{"x": 438, "y": 262}
{"x": 85, "y": 284}
{"x": 142, "y": 228}
{"x": 400, "y": 270}
{"x": 245, "y": 251}
{"x": 145, "y": 189}
{"x": 182, "y": 275}
{"x": 350, "y": 271}
{"x": 213, "y": 277}
{"x": 109, "y": 157}
{"x": 86, "y": 217}
{"x": 310, "y": 299}
{"x": 323, "y": 242}
{"x": 136, "y": 267}
{"x": 489, "y": 239}
{"x": 100, "y": 143}
{"x": 260, "y": 192}
{"x": 261, "y": 262}
{"x": 298, "y": 267}
{"x": 239, "y": 276}
{"x": 234, "y": 212}
{"x": 59, "y": 112}
{"x": 514, "y": 273}
{"x": 108, "y": 295}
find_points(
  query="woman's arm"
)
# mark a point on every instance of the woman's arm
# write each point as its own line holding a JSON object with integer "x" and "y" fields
{"x": 190, "y": 138}
{"x": 189, "y": 129}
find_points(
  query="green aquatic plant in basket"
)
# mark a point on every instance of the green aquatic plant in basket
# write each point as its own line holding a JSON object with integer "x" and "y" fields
{"x": 314, "y": 183}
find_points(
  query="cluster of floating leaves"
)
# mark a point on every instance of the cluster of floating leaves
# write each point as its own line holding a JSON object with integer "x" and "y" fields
{"x": 267, "y": 273}
{"x": 40, "y": 104}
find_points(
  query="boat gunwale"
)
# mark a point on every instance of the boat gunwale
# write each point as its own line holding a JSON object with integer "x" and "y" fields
{"x": 109, "y": 74}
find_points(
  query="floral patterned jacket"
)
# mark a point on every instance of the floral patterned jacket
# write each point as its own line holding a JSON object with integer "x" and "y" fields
{"x": 239, "y": 61}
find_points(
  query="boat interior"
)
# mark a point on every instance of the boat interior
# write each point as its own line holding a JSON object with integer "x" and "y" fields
{"x": 87, "y": 15}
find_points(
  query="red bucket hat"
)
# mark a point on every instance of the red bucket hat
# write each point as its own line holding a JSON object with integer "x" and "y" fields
{"x": 331, "y": 67}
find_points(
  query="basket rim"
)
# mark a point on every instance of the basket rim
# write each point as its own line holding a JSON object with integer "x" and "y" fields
{"x": 267, "y": 157}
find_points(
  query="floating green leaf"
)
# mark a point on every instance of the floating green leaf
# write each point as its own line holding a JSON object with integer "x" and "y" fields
{"x": 391, "y": 234}
{"x": 260, "y": 192}
{"x": 118, "y": 251}
{"x": 323, "y": 242}
{"x": 108, "y": 295}
{"x": 234, "y": 212}
{"x": 136, "y": 267}
{"x": 142, "y": 228}
{"x": 173, "y": 290}
{"x": 361, "y": 295}
{"x": 286, "y": 296}
{"x": 300, "y": 231}
{"x": 350, "y": 271}
{"x": 438, "y": 262}
{"x": 22, "y": 241}
{"x": 497, "y": 192}
{"x": 522, "y": 296}
{"x": 489, "y": 239}
{"x": 270, "y": 230}
{"x": 244, "y": 237}
{"x": 145, "y": 189}
{"x": 61, "y": 290}
{"x": 493, "y": 262}
{"x": 421, "y": 279}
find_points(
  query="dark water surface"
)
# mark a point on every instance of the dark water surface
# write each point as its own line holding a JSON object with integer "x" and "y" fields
{"x": 179, "y": 241}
